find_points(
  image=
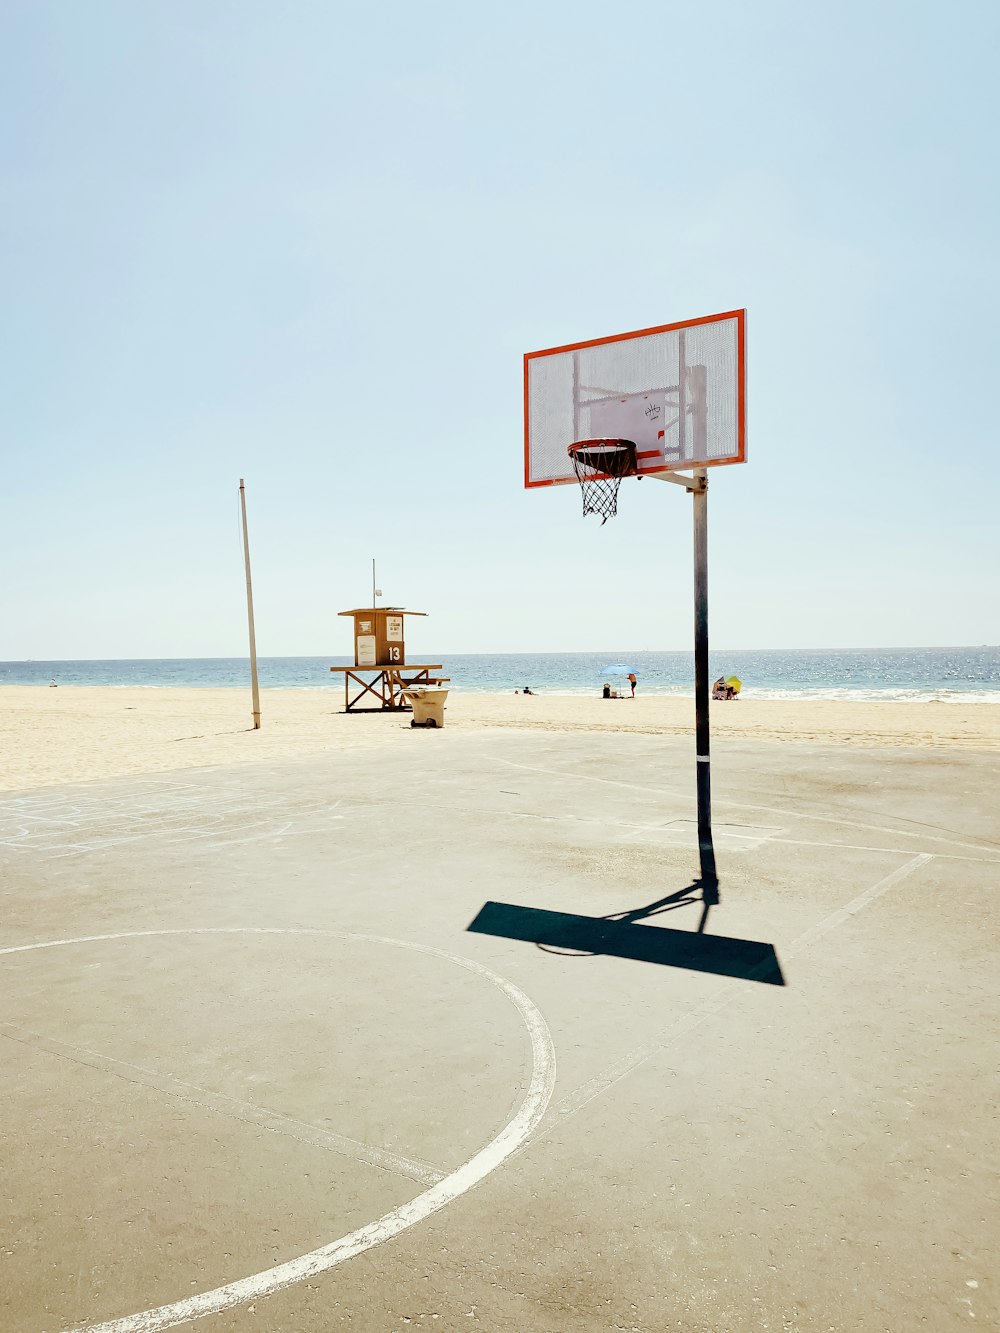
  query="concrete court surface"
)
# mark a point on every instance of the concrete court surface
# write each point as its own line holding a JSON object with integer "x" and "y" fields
{"x": 259, "y": 1073}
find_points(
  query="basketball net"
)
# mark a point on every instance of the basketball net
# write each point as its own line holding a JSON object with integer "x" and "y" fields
{"x": 599, "y": 466}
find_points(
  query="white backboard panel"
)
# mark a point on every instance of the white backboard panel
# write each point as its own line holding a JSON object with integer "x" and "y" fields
{"x": 678, "y": 392}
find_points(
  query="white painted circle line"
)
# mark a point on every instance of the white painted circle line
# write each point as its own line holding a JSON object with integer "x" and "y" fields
{"x": 513, "y": 1136}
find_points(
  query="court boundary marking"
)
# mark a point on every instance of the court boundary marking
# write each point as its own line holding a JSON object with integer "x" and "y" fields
{"x": 595, "y": 1087}
{"x": 844, "y": 822}
{"x": 425, "y": 1173}
{"x": 514, "y": 1135}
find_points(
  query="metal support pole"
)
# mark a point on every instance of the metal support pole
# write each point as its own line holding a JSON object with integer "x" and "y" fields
{"x": 682, "y": 407}
{"x": 576, "y": 395}
{"x": 253, "y": 641}
{"x": 701, "y": 686}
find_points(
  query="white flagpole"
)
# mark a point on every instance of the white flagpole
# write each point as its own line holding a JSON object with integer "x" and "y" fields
{"x": 253, "y": 642}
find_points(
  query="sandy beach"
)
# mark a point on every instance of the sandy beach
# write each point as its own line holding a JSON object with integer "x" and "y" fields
{"x": 78, "y": 733}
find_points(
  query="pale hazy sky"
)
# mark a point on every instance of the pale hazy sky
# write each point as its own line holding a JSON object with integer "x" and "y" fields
{"x": 308, "y": 244}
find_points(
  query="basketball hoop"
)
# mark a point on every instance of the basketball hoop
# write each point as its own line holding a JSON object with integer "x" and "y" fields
{"x": 599, "y": 466}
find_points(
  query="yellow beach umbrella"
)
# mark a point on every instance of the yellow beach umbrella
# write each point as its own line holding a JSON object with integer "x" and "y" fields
{"x": 734, "y": 683}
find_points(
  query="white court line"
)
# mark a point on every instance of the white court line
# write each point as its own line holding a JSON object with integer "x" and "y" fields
{"x": 177, "y": 804}
{"x": 601, "y": 1083}
{"x": 748, "y": 805}
{"x": 684, "y": 833}
{"x": 232, "y": 826}
{"x": 896, "y": 851}
{"x": 248, "y": 1112}
{"x": 514, "y": 1135}
{"x": 171, "y": 836}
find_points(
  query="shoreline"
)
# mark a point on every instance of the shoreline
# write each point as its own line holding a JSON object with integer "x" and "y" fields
{"x": 751, "y": 695}
{"x": 82, "y": 733}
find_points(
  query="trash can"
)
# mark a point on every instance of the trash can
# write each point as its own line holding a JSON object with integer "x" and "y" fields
{"x": 428, "y": 707}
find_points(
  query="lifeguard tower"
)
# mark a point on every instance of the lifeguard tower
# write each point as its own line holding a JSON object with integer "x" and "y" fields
{"x": 380, "y": 667}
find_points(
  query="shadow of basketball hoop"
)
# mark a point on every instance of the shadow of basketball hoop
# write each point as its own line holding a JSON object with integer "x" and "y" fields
{"x": 701, "y": 892}
{"x": 623, "y": 937}
{"x": 704, "y": 891}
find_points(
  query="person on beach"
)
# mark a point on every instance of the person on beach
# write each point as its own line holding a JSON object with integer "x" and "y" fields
{"x": 719, "y": 689}
{"x": 632, "y": 681}
{"x": 526, "y": 690}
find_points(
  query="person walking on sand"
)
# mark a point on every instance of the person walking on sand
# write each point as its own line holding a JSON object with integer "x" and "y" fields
{"x": 632, "y": 682}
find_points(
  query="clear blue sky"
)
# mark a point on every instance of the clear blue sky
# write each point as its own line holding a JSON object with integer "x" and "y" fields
{"x": 308, "y": 243}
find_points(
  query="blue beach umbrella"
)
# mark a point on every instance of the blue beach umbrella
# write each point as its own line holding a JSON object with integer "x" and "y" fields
{"x": 616, "y": 669}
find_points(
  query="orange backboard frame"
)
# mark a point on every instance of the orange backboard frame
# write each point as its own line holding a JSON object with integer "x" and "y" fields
{"x": 662, "y": 465}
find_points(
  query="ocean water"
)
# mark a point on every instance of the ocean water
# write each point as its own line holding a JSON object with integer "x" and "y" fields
{"x": 895, "y": 674}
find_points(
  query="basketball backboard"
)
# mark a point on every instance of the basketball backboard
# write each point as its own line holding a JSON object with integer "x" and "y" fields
{"x": 677, "y": 392}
